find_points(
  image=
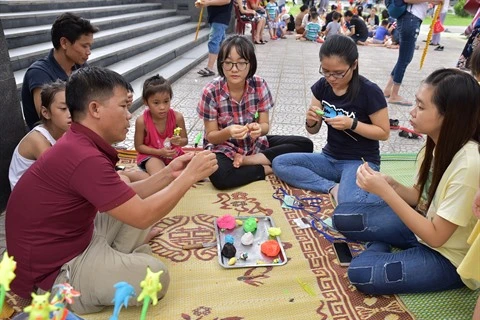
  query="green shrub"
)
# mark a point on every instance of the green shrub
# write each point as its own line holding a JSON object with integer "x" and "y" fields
{"x": 458, "y": 8}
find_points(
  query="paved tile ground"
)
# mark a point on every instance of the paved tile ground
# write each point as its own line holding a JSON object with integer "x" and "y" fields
{"x": 291, "y": 67}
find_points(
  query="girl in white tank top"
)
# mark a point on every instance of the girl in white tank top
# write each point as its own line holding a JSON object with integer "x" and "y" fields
{"x": 55, "y": 121}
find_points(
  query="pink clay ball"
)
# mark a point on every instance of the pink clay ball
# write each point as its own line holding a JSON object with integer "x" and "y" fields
{"x": 226, "y": 222}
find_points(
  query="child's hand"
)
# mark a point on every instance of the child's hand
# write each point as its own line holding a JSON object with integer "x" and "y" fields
{"x": 340, "y": 122}
{"x": 199, "y": 4}
{"x": 176, "y": 140}
{"x": 237, "y": 131}
{"x": 255, "y": 130}
{"x": 167, "y": 153}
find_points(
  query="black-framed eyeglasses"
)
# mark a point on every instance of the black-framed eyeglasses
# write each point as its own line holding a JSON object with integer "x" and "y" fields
{"x": 227, "y": 65}
{"x": 336, "y": 75}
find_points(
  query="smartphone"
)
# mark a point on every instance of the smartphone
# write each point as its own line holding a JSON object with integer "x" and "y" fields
{"x": 344, "y": 255}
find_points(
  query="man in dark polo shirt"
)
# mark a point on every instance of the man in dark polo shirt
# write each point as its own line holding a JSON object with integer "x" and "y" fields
{"x": 219, "y": 14}
{"x": 81, "y": 223}
{"x": 72, "y": 38}
{"x": 358, "y": 28}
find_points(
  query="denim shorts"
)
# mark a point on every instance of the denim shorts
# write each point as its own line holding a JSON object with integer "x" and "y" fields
{"x": 217, "y": 35}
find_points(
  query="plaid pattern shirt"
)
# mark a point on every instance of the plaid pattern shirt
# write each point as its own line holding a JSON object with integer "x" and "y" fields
{"x": 216, "y": 105}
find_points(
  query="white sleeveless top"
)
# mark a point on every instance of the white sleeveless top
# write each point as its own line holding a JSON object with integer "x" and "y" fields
{"x": 20, "y": 164}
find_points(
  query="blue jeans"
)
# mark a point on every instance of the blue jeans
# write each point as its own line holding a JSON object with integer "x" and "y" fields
{"x": 377, "y": 270}
{"x": 408, "y": 27}
{"x": 216, "y": 37}
{"x": 320, "y": 172}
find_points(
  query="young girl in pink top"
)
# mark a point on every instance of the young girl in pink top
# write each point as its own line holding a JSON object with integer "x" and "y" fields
{"x": 160, "y": 132}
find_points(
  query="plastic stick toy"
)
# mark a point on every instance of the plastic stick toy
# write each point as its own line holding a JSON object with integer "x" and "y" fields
{"x": 124, "y": 291}
{"x": 198, "y": 137}
{"x": 7, "y": 268}
{"x": 430, "y": 33}
{"x": 199, "y": 22}
{"x": 320, "y": 113}
{"x": 177, "y": 131}
{"x": 150, "y": 286}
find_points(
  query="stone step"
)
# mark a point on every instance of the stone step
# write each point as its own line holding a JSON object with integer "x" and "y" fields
{"x": 23, "y": 57}
{"x": 141, "y": 64}
{"x": 171, "y": 71}
{"x": 28, "y": 5}
{"x": 149, "y": 50}
{"x": 33, "y": 18}
{"x": 26, "y": 36}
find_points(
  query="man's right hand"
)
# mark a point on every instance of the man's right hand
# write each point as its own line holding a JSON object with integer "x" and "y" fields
{"x": 202, "y": 165}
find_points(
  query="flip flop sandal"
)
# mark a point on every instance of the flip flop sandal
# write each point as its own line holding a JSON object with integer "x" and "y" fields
{"x": 394, "y": 123}
{"x": 409, "y": 135}
{"x": 264, "y": 41}
{"x": 205, "y": 72}
{"x": 439, "y": 48}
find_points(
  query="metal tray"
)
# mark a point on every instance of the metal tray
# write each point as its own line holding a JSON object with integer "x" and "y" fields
{"x": 255, "y": 256}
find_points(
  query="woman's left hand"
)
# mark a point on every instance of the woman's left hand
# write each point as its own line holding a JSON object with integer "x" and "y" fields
{"x": 371, "y": 181}
{"x": 255, "y": 130}
{"x": 340, "y": 122}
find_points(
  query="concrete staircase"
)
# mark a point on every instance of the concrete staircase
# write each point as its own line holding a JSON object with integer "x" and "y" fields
{"x": 136, "y": 39}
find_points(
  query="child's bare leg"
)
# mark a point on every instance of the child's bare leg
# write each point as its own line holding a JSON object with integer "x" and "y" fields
{"x": 268, "y": 170}
{"x": 154, "y": 165}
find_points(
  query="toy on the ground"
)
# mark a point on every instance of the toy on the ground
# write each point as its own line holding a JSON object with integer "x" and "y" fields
{"x": 7, "y": 268}
{"x": 124, "y": 291}
{"x": 40, "y": 307}
{"x": 64, "y": 295}
{"x": 150, "y": 286}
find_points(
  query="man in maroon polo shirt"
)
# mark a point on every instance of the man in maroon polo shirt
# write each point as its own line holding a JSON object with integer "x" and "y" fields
{"x": 52, "y": 226}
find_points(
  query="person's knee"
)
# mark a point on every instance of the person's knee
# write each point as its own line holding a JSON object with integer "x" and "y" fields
{"x": 220, "y": 182}
{"x": 306, "y": 144}
{"x": 155, "y": 266}
{"x": 362, "y": 276}
{"x": 348, "y": 222}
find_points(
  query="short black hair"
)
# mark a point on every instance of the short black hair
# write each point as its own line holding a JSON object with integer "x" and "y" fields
{"x": 88, "y": 84}
{"x": 245, "y": 50}
{"x": 70, "y": 26}
{"x": 384, "y": 23}
{"x": 314, "y": 15}
{"x": 154, "y": 85}
{"x": 348, "y": 13}
{"x": 303, "y": 8}
{"x": 336, "y": 15}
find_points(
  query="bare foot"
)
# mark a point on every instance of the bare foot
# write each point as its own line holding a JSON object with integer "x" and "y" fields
{"x": 238, "y": 160}
{"x": 152, "y": 234}
{"x": 268, "y": 170}
{"x": 334, "y": 194}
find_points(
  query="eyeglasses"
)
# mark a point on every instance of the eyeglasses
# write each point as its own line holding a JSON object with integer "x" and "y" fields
{"x": 227, "y": 65}
{"x": 336, "y": 75}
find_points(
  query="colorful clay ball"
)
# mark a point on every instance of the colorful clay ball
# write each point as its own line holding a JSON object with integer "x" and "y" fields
{"x": 229, "y": 251}
{"x": 229, "y": 239}
{"x": 250, "y": 225}
{"x": 247, "y": 239}
{"x": 226, "y": 222}
{"x": 274, "y": 232}
{"x": 270, "y": 248}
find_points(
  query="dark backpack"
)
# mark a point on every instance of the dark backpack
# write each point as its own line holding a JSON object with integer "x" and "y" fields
{"x": 396, "y": 8}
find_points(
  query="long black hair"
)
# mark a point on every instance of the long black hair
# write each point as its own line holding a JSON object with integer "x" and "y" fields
{"x": 344, "y": 48}
{"x": 461, "y": 122}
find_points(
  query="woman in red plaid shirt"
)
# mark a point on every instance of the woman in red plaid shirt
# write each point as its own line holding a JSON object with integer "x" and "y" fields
{"x": 235, "y": 109}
